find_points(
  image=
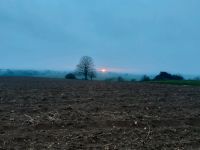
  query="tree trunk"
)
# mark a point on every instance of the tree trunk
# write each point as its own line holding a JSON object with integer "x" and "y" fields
{"x": 86, "y": 76}
{"x": 86, "y": 73}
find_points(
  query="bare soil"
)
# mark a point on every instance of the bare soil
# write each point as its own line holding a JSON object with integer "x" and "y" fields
{"x": 38, "y": 113}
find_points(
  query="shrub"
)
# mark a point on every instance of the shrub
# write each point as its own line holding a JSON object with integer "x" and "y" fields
{"x": 70, "y": 76}
{"x": 177, "y": 77}
{"x": 120, "y": 79}
{"x": 168, "y": 76}
{"x": 145, "y": 78}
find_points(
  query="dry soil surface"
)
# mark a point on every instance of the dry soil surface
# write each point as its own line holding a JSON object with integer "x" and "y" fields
{"x": 38, "y": 113}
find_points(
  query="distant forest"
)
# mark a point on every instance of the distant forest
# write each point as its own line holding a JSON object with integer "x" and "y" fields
{"x": 32, "y": 73}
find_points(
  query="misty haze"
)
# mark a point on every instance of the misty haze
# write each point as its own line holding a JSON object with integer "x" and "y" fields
{"x": 100, "y": 74}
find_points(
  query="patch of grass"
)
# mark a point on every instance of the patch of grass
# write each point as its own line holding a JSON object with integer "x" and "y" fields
{"x": 179, "y": 82}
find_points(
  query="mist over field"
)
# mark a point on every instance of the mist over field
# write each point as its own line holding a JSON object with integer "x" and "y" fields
{"x": 109, "y": 76}
{"x": 100, "y": 74}
{"x": 62, "y": 74}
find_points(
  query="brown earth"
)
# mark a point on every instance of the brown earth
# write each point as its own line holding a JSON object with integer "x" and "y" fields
{"x": 60, "y": 114}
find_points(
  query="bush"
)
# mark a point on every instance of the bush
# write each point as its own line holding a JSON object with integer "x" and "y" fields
{"x": 120, "y": 79}
{"x": 70, "y": 76}
{"x": 177, "y": 77}
{"x": 168, "y": 76}
{"x": 145, "y": 78}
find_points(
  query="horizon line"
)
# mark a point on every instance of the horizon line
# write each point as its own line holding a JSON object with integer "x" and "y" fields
{"x": 122, "y": 72}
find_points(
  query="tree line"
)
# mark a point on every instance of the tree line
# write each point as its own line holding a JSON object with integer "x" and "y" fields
{"x": 86, "y": 70}
{"x": 163, "y": 76}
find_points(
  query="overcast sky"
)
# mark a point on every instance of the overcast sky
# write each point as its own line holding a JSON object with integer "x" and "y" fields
{"x": 138, "y": 36}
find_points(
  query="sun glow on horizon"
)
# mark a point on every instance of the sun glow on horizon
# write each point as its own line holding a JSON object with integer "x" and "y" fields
{"x": 103, "y": 70}
{"x": 111, "y": 69}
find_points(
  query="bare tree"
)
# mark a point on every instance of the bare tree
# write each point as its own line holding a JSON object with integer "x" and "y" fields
{"x": 85, "y": 67}
{"x": 92, "y": 74}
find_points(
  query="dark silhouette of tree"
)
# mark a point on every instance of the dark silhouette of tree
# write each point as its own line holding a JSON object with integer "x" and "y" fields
{"x": 163, "y": 76}
{"x": 92, "y": 74}
{"x": 177, "y": 77}
{"x": 168, "y": 76}
{"x": 145, "y": 78}
{"x": 85, "y": 67}
{"x": 120, "y": 79}
{"x": 70, "y": 76}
